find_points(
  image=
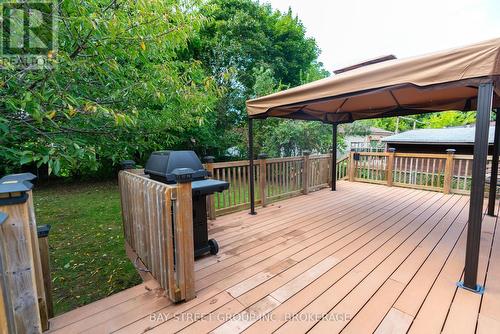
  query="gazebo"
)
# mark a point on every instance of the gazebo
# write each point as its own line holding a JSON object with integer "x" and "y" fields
{"x": 464, "y": 79}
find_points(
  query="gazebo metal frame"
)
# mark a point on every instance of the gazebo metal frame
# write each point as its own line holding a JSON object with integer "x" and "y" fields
{"x": 456, "y": 87}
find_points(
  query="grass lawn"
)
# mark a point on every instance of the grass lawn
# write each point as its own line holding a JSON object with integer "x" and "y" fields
{"x": 86, "y": 242}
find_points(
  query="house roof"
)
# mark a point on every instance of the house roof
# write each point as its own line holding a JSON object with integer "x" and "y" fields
{"x": 454, "y": 135}
{"x": 445, "y": 80}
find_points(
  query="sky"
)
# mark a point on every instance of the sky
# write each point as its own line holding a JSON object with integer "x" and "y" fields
{"x": 351, "y": 31}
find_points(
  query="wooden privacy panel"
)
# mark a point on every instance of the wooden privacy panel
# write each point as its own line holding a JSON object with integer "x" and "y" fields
{"x": 151, "y": 222}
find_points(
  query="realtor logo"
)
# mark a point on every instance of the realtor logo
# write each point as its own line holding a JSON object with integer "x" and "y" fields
{"x": 28, "y": 33}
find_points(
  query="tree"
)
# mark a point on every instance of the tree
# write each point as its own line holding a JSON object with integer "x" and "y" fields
{"x": 117, "y": 89}
{"x": 130, "y": 77}
{"x": 280, "y": 137}
{"x": 430, "y": 120}
{"x": 242, "y": 40}
{"x": 450, "y": 118}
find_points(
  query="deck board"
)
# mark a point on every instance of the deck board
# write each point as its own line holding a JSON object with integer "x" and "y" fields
{"x": 366, "y": 258}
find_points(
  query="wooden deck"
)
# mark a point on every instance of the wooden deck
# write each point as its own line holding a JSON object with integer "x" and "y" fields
{"x": 366, "y": 258}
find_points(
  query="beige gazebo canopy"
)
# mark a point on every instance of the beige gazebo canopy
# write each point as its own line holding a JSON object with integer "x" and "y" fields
{"x": 465, "y": 78}
{"x": 445, "y": 80}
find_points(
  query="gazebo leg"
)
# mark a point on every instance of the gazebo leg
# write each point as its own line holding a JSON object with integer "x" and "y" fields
{"x": 251, "y": 173}
{"x": 494, "y": 169}
{"x": 334, "y": 157}
{"x": 484, "y": 105}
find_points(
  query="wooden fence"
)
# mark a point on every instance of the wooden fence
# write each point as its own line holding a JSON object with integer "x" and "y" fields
{"x": 274, "y": 179}
{"x": 158, "y": 227}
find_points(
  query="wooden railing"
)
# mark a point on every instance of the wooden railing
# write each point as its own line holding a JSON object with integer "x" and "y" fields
{"x": 448, "y": 172}
{"x": 280, "y": 178}
{"x": 158, "y": 227}
{"x": 274, "y": 179}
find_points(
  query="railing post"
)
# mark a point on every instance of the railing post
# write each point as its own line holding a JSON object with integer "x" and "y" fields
{"x": 183, "y": 227}
{"x": 43, "y": 245}
{"x": 352, "y": 166}
{"x": 6, "y": 309}
{"x": 305, "y": 173}
{"x": 18, "y": 270}
{"x": 209, "y": 165}
{"x": 448, "y": 171}
{"x": 390, "y": 166}
{"x": 263, "y": 177}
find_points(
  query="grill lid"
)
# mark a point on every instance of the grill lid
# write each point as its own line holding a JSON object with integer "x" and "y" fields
{"x": 161, "y": 164}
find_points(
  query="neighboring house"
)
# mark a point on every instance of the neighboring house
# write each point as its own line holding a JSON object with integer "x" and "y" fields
{"x": 369, "y": 143}
{"x": 437, "y": 140}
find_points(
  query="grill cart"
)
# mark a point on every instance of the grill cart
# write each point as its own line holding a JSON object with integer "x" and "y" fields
{"x": 161, "y": 166}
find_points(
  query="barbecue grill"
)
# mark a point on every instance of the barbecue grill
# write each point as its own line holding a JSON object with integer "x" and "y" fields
{"x": 163, "y": 166}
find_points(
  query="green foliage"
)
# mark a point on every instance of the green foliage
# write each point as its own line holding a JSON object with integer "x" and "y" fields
{"x": 117, "y": 89}
{"x": 358, "y": 128}
{"x": 278, "y": 137}
{"x": 251, "y": 50}
{"x": 290, "y": 138}
{"x": 450, "y": 118}
{"x": 130, "y": 77}
{"x": 431, "y": 120}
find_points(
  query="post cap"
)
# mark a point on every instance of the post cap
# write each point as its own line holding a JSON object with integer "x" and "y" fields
{"x": 391, "y": 149}
{"x": 451, "y": 151}
{"x": 128, "y": 164}
{"x": 262, "y": 156}
{"x": 43, "y": 231}
{"x": 209, "y": 159}
{"x": 14, "y": 186}
{"x": 3, "y": 217}
{"x": 14, "y": 192}
{"x": 306, "y": 152}
{"x": 183, "y": 174}
{"x": 18, "y": 177}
